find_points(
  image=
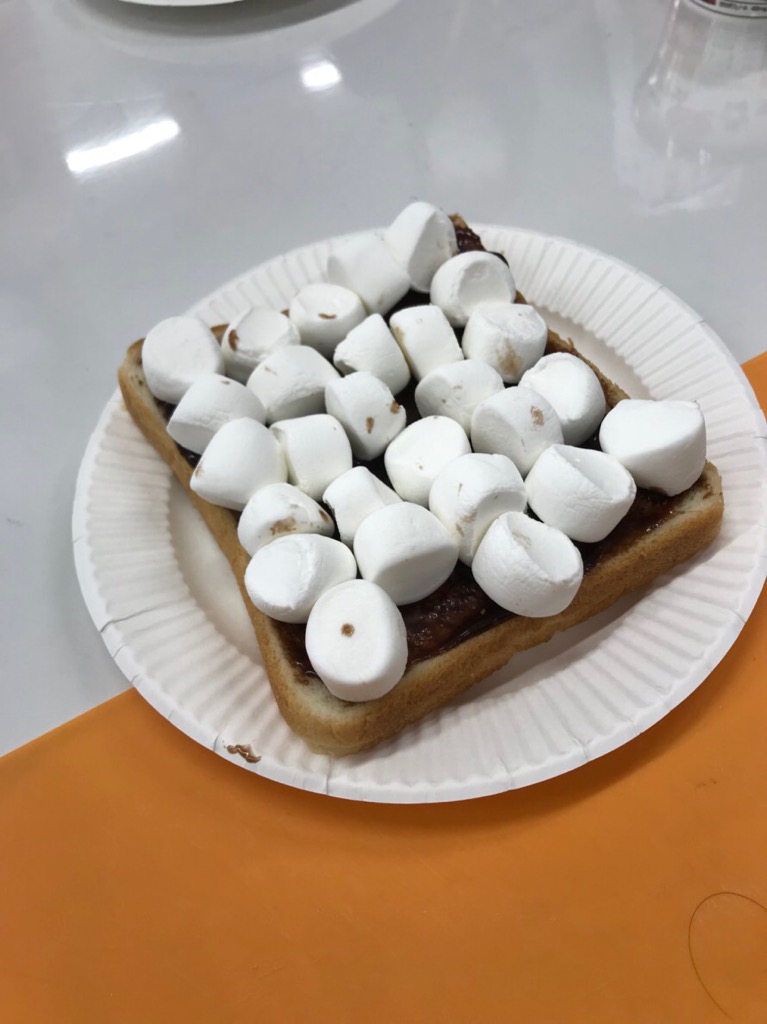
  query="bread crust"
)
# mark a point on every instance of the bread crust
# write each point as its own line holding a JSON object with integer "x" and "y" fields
{"x": 332, "y": 726}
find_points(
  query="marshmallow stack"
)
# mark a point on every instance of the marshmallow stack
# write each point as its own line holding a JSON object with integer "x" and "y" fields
{"x": 581, "y": 492}
{"x": 517, "y": 423}
{"x": 285, "y": 578}
{"x": 466, "y": 281}
{"x": 353, "y": 496}
{"x": 510, "y": 337}
{"x": 209, "y": 403}
{"x": 371, "y": 347}
{"x": 662, "y": 444}
{"x": 252, "y": 336}
{"x": 470, "y": 493}
{"x": 242, "y": 457}
{"x": 176, "y": 353}
{"x": 316, "y": 451}
{"x": 324, "y": 314}
{"x": 573, "y": 391}
{"x": 291, "y": 382}
{"x": 356, "y": 641}
{"x": 279, "y": 509}
{"x": 527, "y": 567}
{"x": 417, "y": 455}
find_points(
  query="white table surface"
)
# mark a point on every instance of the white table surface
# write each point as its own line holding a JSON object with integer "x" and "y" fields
{"x": 149, "y": 154}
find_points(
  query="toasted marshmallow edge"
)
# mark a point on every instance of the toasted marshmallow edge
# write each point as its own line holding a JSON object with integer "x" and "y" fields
{"x": 316, "y": 451}
{"x": 661, "y": 443}
{"x": 284, "y": 579}
{"x": 469, "y": 279}
{"x": 252, "y": 336}
{"x": 516, "y": 422}
{"x": 527, "y": 567}
{"x": 324, "y": 314}
{"x": 241, "y": 457}
{"x": 405, "y": 550}
{"x": 470, "y": 493}
{"x": 572, "y": 389}
{"x": 277, "y": 510}
{"x": 421, "y": 239}
{"x": 365, "y": 265}
{"x": 455, "y": 390}
{"x": 367, "y": 410}
{"x": 581, "y": 492}
{"x": 175, "y": 353}
{"x": 291, "y": 383}
{"x": 510, "y": 337}
{"x": 415, "y": 457}
{"x": 356, "y": 641}
{"x": 209, "y": 403}
{"x": 426, "y": 338}
{"x": 371, "y": 347}
{"x": 351, "y": 498}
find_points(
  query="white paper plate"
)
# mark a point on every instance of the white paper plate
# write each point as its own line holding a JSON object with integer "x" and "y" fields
{"x": 162, "y": 596}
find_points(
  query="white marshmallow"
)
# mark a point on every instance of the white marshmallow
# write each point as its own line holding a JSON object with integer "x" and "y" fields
{"x": 175, "y": 353}
{"x": 469, "y": 279}
{"x": 573, "y": 391}
{"x": 405, "y": 550}
{"x": 527, "y": 567}
{"x": 291, "y": 382}
{"x": 252, "y": 336}
{"x": 371, "y": 347}
{"x": 357, "y": 641}
{"x": 662, "y": 444}
{"x": 415, "y": 458}
{"x": 426, "y": 338}
{"x": 353, "y": 496}
{"x": 285, "y": 578}
{"x": 510, "y": 336}
{"x": 241, "y": 457}
{"x": 367, "y": 410}
{"x": 470, "y": 493}
{"x": 316, "y": 451}
{"x": 581, "y": 492}
{"x": 366, "y": 266}
{"x": 324, "y": 314}
{"x": 421, "y": 238}
{"x": 209, "y": 403}
{"x": 518, "y": 423}
{"x": 456, "y": 390}
{"x": 279, "y": 509}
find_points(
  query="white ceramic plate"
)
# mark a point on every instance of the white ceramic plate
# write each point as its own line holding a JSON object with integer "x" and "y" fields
{"x": 162, "y": 596}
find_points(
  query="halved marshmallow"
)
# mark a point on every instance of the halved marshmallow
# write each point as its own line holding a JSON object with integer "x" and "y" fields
{"x": 405, "y": 550}
{"x": 421, "y": 239}
{"x": 517, "y": 423}
{"x": 175, "y": 353}
{"x": 581, "y": 492}
{"x": 527, "y": 567}
{"x": 209, "y": 403}
{"x": 316, "y": 451}
{"x": 573, "y": 391}
{"x": 456, "y": 390}
{"x": 252, "y": 336}
{"x": 470, "y": 493}
{"x": 324, "y": 314}
{"x": 426, "y": 338}
{"x": 469, "y": 279}
{"x": 279, "y": 509}
{"x": 291, "y": 382}
{"x": 357, "y": 641}
{"x": 510, "y": 336}
{"x": 366, "y": 266}
{"x": 353, "y": 496}
{"x": 662, "y": 444}
{"x": 241, "y": 457}
{"x": 371, "y": 347}
{"x": 417, "y": 455}
{"x": 367, "y": 411}
{"x": 285, "y": 578}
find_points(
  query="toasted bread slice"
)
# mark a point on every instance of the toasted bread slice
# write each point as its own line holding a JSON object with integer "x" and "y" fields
{"x": 450, "y": 651}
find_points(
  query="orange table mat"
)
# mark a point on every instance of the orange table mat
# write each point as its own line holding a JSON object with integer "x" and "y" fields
{"x": 145, "y": 879}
